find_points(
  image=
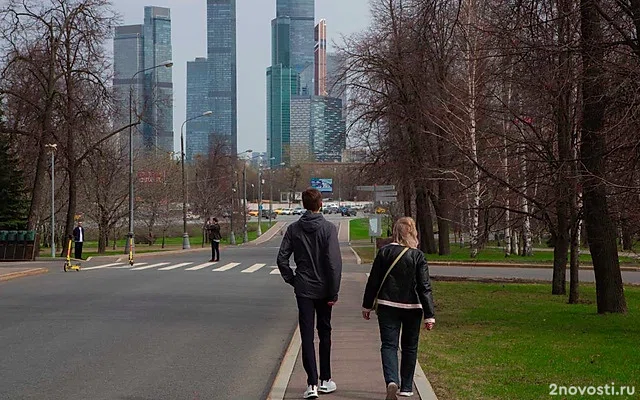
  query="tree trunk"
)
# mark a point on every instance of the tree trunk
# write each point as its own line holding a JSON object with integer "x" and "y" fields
{"x": 601, "y": 232}
{"x": 103, "y": 235}
{"x": 424, "y": 222}
{"x": 574, "y": 266}
{"x": 73, "y": 198}
{"x": 38, "y": 189}
{"x": 406, "y": 200}
{"x": 442, "y": 206}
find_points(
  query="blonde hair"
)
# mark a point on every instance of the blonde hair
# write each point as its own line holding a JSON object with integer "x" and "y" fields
{"x": 405, "y": 232}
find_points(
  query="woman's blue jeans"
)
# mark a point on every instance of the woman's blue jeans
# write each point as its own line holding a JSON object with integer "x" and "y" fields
{"x": 392, "y": 322}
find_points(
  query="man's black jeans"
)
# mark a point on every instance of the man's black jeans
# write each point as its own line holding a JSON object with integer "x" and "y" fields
{"x": 78, "y": 251}
{"x": 307, "y": 310}
{"x": 215, "y": 250}
{"x": 391, "y": 320}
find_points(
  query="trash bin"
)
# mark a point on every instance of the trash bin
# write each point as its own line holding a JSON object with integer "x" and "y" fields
{"x": 20, "y": 236}
{"x": 10, "y": 249}
{"x": 3, "y": 244}
{"x": 30, "y": 236}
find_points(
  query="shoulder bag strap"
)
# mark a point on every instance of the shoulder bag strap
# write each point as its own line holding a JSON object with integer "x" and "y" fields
{"x": 375, "y": 300}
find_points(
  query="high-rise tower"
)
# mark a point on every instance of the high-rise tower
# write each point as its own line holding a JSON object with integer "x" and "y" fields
{"x": 157, "y": 127}
{"x": 302, "y": 16}
{"x": 136, "y": 48}
{"x": 320, "y": 76}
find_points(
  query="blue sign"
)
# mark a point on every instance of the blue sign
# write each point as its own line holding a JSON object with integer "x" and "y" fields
{"x": 322, "y": 184}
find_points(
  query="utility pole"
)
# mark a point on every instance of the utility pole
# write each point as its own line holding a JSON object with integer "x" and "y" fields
{"x": 232, "y": 236}
{"x": 53, "y": 148}
{"x": 244, "y": 202}
{"x": 259, "y": 200}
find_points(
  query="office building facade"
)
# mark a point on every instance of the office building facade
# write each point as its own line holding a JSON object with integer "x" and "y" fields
{"x": 317, "y": 129}
{"x": 282, "y": 85}
{"x": 320, "y": 76}
{"x": 222, "y": 58}
{"x": 302, "y": 20}
{"x": 157, "y": 126}
{"x": 212, "y": 86}
{"x": 128, "y": 58}
{"x": 136, "y": 48}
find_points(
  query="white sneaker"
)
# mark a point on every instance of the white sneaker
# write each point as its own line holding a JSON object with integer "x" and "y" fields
{"x": 311, "y": 392}
{"x": 405, "y": 394}
{"x": 392, "y": 389}
{"x": 327, "y": 386}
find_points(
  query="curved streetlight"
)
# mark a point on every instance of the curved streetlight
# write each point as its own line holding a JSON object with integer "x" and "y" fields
{"x": 185, "y": 234}
{"x": 129, "y": 246}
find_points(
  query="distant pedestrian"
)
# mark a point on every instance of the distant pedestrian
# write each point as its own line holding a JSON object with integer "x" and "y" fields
{"x": 313, "y": 241}
{"x": 78, "y": 238}
{"x": 213, "y": 231}
{"x": 399, "y": 290}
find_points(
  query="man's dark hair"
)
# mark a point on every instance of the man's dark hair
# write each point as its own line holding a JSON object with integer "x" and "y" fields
{"x": 312, "y": 199}
{"x": 215, "y": 220}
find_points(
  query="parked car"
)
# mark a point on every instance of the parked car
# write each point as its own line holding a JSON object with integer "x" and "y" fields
{"x": 298, "y": 211}
{"x": 330, "y": 210}
{"x": 348, "y": 212}
{"x": 253, "y": 213}
{"x": 287, "y": 211}
{"x": 265, "y": 214}
{"x": 279, "y": 211}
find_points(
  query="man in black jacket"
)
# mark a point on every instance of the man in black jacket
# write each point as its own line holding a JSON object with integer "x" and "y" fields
{"x": 313, "y": 241}
{"x": 78, "y": 238}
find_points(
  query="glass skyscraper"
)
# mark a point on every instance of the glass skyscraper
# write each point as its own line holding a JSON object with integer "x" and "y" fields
{"x": 128, "y": 58}
{"x": 282, "y": 84}
{"x": 157, "y": 128}
{"x": 212, "y": 85}
{"x": 301, "y": 38}
{"x": 135, "y": 48}
{"x": 197, "y": 131}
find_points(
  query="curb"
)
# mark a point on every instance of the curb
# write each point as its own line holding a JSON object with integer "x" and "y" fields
{"x": 20, "y": 274}
{"x": 358, "y": 259}
{"x": 273, "y": 231}
{"x": 513, "y": 265}
{"x": 279, "y": 387}
{"x": 423, "y": 386}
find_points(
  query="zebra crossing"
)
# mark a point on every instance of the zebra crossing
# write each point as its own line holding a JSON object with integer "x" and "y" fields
{"x": 245, "y": 268}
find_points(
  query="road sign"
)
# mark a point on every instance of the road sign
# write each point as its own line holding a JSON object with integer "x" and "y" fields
{"x": 375, "y": 226}
{"x": 387, "y": 194}
{"x": 380, "y": 188}
{"x": 388, "y": 199}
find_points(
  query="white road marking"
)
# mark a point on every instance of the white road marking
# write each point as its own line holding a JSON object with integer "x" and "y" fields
{"x": 201, "y": 266}
{"x": 253, "y": 268}
{"x": 149, "y": 266}
{"x": 275, "y": 272}
{"x": 102, "y": 266}
{"x": 170, "y": 267}
{"x": 226, "y": 267}
{"x": 129, "y": 266}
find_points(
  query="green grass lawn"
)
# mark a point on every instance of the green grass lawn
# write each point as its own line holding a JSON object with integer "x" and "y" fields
{"x": 511, "y": 341}
{"x": 90, "y": 248}
{"x": 490, "y": 255}
{"x": 359, "y": 228}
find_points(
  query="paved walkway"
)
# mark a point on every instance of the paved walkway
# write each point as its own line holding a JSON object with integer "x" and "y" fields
{"x": 13, "y": 272}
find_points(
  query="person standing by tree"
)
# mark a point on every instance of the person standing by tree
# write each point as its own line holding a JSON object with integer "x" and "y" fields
{"x": 213, "y": 230}
{"x": 313, "y": 241}
{"x": 78, "y": 238}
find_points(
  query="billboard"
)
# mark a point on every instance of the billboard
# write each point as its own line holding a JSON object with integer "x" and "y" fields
{"x": 322, "y": 184}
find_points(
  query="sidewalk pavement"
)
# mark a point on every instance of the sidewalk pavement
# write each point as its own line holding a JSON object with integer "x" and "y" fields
{"x": 13, "y": 272}
{"x": 355, "y": 354}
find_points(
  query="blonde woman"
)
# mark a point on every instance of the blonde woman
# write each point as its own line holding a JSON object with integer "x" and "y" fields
{"x": 400, "y": 291}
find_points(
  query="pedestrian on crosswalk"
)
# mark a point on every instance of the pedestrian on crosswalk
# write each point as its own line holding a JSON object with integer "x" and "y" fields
{"x": 313, "y": 241}
{"x": 213, "y": 229}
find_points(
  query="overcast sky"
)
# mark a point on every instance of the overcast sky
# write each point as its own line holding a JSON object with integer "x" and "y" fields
{"x": 344, "y": 17}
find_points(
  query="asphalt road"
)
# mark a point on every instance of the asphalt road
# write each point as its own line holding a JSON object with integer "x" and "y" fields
{"x": 172, "y": 333}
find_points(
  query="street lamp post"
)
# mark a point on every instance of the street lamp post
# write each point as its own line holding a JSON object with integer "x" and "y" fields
{"x": 185, "y": 234}
{"x": 130, "y": 235}
{"x": 260, "y": 197}
{"x": 245, "y": 237}
{"x": 53, "y": 148}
